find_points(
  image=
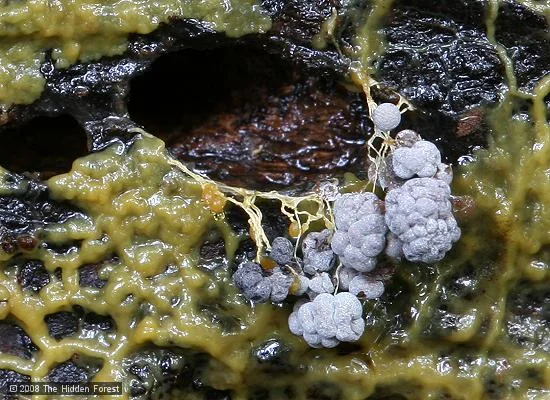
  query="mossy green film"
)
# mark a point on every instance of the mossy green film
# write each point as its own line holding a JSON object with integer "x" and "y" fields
{"x": 150, "y": 214}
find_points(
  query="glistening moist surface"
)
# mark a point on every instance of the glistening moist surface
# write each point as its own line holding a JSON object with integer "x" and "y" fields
{"x": 475, "y": 326}
{"x": 74, "y": 31}
{"x": 472, "y": 327}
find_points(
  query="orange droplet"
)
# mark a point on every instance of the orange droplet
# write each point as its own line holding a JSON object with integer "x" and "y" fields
{"x": 213, "y": 198}
{"x": 268, "y": 263}
{"x": 294, "y": 229}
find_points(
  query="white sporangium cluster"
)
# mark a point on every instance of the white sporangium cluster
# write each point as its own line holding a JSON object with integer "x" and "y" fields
{"x": 325, "y": 318}
{"x": 358, "y": 239}
{"x": 328, "y": 319}
{"x": 420, "y": 215}
{"x": 360, "y": 230}
{"x": 339, "y": 267}
{"x": 421, "y": 159}
{"x": 321, "y": 283}
{"x": 317, "y": 254}
{"x": 362, "y": 285}
{"x": 418, "y": 158}
{"x": 418, "y": 207}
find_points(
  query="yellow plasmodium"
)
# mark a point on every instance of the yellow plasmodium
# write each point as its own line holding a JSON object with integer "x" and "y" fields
{"x": 152, "y": 217}
{"x": 85, "y": 30}
{"x": 150, "y": 214}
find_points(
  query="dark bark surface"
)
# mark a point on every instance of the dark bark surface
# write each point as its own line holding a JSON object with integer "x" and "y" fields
{"x": 270, "y": 113}
{"x": 275, "y": 115}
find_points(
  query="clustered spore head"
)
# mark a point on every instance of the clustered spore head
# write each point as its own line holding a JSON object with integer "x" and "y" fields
{"x": 337, "y": 269}
{"x": 420, "y": 215}
{"x": 360, "y": 230}
{"x": 328, "y": 319}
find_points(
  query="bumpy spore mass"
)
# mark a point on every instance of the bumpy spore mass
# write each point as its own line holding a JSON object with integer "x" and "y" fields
{"x": 280, "y": 285}
{"x": 282, "y": 250}
{"x": 328, "y": 319}
{"x": 250, "y": 280}
{"x": 365, "y": 286}
{"x": 360, "y": 230}
{"x": 320, "y": 284}
{"x": 318, "y": 256}
{"x": 414, "y": 222}
{"x": 422, "y": 160}
{"x": 420, "y": 214}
